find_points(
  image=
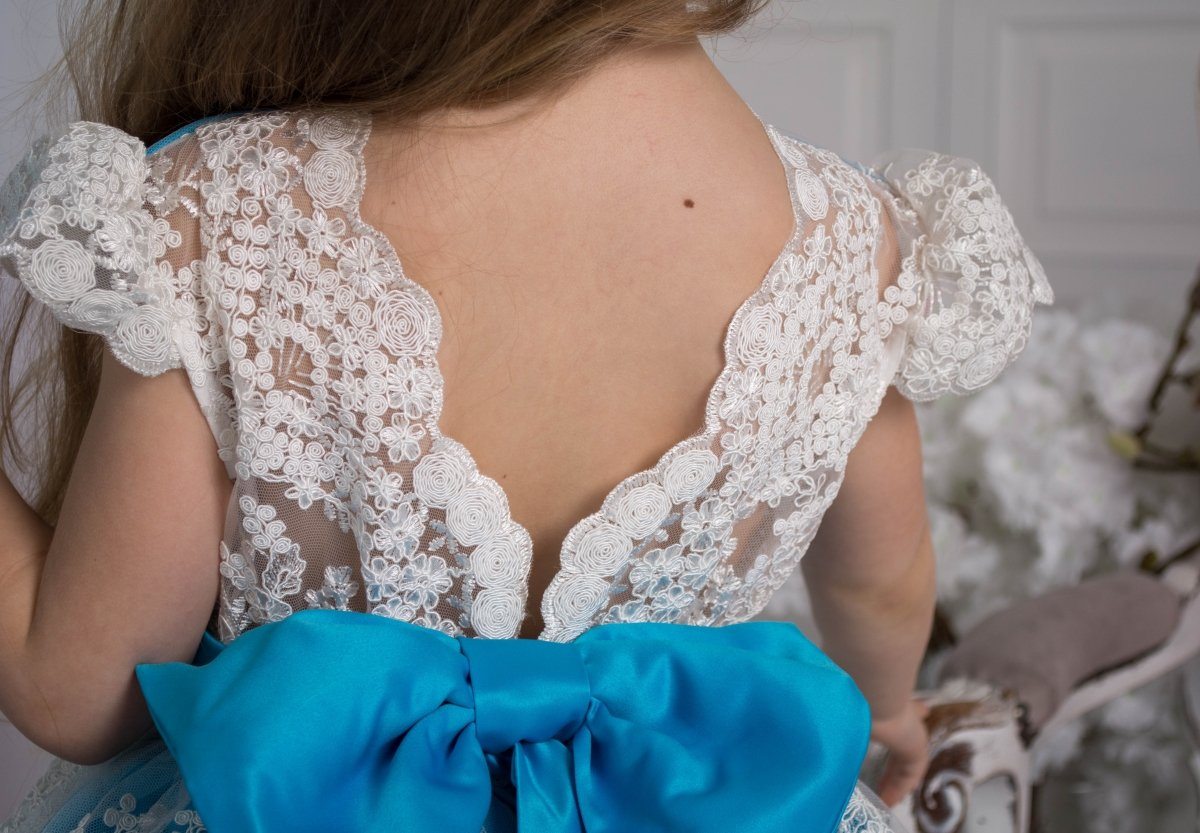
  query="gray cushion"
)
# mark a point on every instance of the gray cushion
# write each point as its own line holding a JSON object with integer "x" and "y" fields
{"x": 1043, "y": 648}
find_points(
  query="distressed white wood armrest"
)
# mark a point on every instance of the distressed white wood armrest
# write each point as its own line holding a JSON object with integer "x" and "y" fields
{"x": 974, "y": 736}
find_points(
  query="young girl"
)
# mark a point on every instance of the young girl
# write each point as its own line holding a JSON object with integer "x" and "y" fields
{"x": 440, "y": 389}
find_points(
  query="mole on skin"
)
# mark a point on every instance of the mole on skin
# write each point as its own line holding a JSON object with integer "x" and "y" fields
{"x": 688, "y": 202}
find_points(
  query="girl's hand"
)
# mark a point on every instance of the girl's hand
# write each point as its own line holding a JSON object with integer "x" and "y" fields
{"x": 907, "y": 741}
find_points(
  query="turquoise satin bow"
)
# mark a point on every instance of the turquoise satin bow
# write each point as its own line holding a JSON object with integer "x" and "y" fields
{"x": 331, "y": 721}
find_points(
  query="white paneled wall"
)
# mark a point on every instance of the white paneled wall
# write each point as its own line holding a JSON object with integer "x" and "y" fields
{"x": 855, "y": 77}
{"x": 1082, "y": 111}
{"x": 1086, "y": 110}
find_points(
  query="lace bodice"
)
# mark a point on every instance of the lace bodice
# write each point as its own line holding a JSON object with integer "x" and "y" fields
{"x": 234, "y": 250}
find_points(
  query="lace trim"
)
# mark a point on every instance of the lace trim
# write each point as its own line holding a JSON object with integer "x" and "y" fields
{"x": 447, "y": 476}
{"x": 866, "y": 813}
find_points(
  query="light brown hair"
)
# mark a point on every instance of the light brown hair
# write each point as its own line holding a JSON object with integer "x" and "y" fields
{"x": 149, "y": 67}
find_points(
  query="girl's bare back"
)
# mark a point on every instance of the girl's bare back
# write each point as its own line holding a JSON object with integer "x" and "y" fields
{"x": 584, "y": 293}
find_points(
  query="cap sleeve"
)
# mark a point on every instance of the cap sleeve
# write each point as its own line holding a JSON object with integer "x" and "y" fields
{"x": 109, "y": 238}
{"x": 960, "y": 286}
{"x": 87, "y": 239}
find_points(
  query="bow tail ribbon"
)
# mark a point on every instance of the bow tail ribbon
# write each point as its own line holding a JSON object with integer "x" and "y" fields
{"x": 342, "y": 721}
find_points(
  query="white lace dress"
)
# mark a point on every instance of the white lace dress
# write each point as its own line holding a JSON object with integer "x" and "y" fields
{"x": 234, "y": 249}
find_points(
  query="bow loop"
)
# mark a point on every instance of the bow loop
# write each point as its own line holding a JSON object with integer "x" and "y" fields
{"x": 525, "y": 690}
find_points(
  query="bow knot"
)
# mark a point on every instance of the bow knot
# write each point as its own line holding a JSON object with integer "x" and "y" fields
{"x": 525, "y": 690}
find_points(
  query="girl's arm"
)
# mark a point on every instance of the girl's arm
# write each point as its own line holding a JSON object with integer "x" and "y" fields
{"x": 870, "y": 569}
{"x": 870, "y": 576}
{"x": 129, "y": 575}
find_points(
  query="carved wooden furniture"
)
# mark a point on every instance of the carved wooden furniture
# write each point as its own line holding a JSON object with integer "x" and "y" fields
{"x": 1041, "y": 663}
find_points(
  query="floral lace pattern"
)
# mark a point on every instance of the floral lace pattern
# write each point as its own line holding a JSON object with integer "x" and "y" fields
{"x": 238, "y": 253}
{"x": 967, "y": 275}
{"x": 866, "y": 813}
{"x": 114, "y": 282}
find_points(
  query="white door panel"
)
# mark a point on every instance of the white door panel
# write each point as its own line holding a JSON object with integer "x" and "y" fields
{"x": 858, "y": 77}
{"x": 1082, "y": 111}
